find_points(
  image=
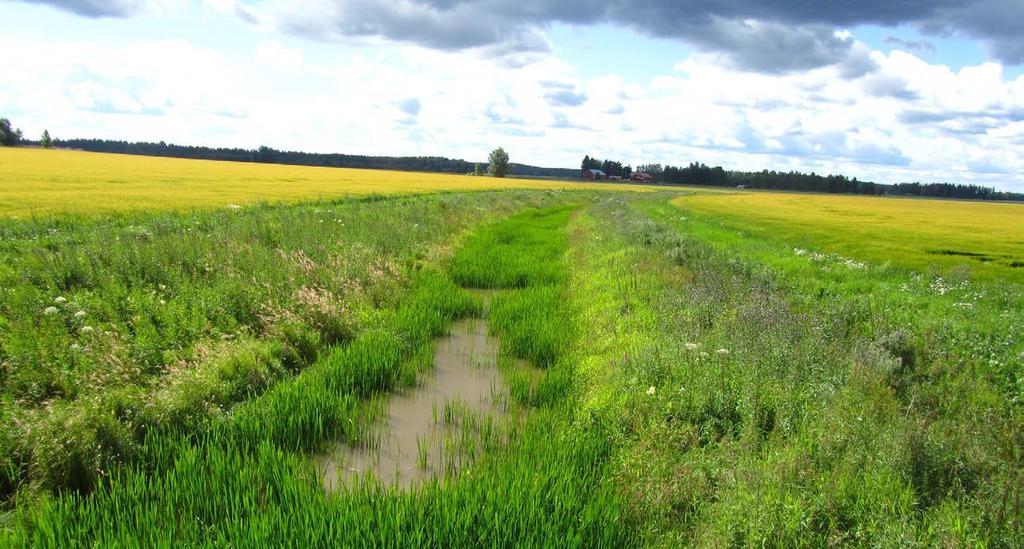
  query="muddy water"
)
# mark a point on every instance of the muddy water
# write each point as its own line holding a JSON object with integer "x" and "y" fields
{"x": 416, "y": 440}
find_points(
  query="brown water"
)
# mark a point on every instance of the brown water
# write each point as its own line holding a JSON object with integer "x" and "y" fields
{"x": 430, "y": 430}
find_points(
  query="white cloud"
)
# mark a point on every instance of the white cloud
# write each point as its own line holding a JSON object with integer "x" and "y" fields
{"x": 965, "y": 125}
{"x": 273, "y": 54}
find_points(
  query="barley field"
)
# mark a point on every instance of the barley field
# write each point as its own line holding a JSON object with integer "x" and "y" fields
{"x": 678, "y": 368}
{"x": 983, "y": 237}
{"x": 41, "y": 182}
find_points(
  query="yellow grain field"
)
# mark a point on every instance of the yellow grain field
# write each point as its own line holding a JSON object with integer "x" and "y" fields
{"x": 918, "y": 233}
{"x": 48, "y": 182}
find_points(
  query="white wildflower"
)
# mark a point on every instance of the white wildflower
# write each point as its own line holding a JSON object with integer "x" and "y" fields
{"x": 76, "y": 347}
{"x": 799, "y": 251}
{"x": 59, "y": 300}
{"x": 234, "y": 207}
{"x": 722, "y": 351}
{"x": 691, "y": 346}
{"x": 87, "y": 329}
{"x": 650, "y": 391}
{"x": 162, "y": 302}
{"x": 855, "y": 265}
{"x": 79, "y": 315}
{"x": 51, "y": 310}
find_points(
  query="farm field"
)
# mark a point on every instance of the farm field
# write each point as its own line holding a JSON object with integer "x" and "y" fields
{"x": 678, "y": 368}
{"x": 38, "y": 182}
{"x": 985, "y": 237}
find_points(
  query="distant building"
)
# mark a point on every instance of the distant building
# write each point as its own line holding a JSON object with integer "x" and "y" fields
{"x": 594, "y": 175}
{"x": 614, "y": 178}
{"x": 741, "y": 186}
{"x": 642, "y": 177}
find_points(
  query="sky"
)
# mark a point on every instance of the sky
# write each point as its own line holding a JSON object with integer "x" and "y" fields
{"x": 881, "y": 90}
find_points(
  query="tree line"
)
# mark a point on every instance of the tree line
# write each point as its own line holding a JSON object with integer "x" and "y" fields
{"x": 611, "y": 168}
{"x": 275, "y": 156}
{"x": 697, "y": 173}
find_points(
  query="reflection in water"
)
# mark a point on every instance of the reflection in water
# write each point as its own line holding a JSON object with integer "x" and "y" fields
{"x": 429, "y": 430}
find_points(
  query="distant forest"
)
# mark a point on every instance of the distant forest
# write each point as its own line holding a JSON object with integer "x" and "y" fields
{"x": 701, "y": 174}
{"x": 333, "y": 160}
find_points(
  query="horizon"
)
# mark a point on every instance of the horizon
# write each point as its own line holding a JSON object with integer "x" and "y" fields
{"x": 483, "y": 163}
{"x": 885, "y": 92}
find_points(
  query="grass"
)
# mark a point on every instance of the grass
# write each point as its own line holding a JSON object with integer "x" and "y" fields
{"x": 761, "y": 397}
{"x": 984, "y": 237}
{"x": 679, "y": 373}
{"x": 41, "y": 183}
{"x": 246, "y": 479}
{"x": 189, "y": 314}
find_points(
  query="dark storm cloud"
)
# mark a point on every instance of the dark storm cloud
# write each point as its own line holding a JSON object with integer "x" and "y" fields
{"x": 443, "y": 25}
{"x": 774, "y": 36}
{"x": 96, "y": 8}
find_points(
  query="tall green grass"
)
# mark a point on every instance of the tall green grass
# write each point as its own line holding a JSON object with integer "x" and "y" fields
{"x": 524, "y": 251}
{"x": 764, "y": 397}
{"x": 112, "y": 327}
{"x": 673, "y": 383}
{"x": 320, "y": 404}
{"x": 543, "y": 489}
{"x": 248, "y": 481}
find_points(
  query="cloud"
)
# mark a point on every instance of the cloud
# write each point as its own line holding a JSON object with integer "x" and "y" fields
{"x": 1000, "y": 23}
{"x": 566, "y": 98}
{"x": 964, "y": 122}
{"x": 888, "y": 85}
{"x": 274, "y": 54}
{"x": 105, "y": 8}
{"x": 449, "y": 26}
{"x": 773, "y": 36}
{"x": 904, "y": 119}
{"x": 771, "y": 47}
{"x": 912, "y": 45}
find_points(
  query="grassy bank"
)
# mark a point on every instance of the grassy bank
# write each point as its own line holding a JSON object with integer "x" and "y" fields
{"x": 248, "y": 479}
{"x": 113, "y": 327}
{"x": 763, "y": 397}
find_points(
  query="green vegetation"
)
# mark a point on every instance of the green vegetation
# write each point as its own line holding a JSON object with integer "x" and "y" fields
{"x": 185, "y": 315}
{"x": 765, "y": 397}
{"x": 245, "y": 476}
{"x": 673, "y": 380}
{"x": 698, "y": 173}
{"x": 9, "y": 135}
{"x": 498, "y": 165}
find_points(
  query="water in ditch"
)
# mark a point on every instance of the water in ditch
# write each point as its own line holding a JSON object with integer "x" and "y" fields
{"x": 432, "y": 429}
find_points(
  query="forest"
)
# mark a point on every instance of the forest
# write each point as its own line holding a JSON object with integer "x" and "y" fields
{"x": 274, "y": 156}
